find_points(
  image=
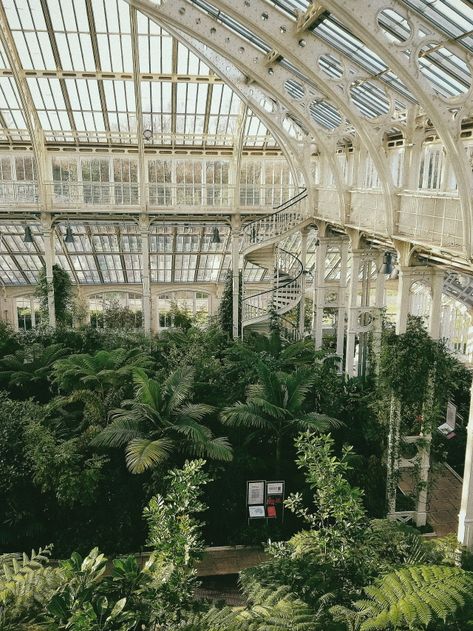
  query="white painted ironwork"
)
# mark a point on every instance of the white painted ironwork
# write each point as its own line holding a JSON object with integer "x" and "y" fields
{"x": 260, "y": 247}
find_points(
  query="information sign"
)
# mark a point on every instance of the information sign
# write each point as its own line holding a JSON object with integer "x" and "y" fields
{"x": 275, "y": 499}
{"x": 256, "y": 512}
{"x": 255, "y": 492}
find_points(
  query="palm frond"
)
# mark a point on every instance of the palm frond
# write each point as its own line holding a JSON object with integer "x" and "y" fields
{"x": 195, "y": 411}
{"x": 178, "y": 387}
{"x": 243, "y": 415}
{"x": 218, "y": 449}
{"x": 318, "y": 422}
{"x": 413, "y": 597}
{"x": 119, "y": 433}
{"x": 142, "y": 454}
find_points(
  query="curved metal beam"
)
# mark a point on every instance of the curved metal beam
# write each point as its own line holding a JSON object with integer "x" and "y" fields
{"x": 280, "y": 33}
{"x": 402, "y": 59}
{"x": 228, "y": 44}
{"x": 30, "y": 114}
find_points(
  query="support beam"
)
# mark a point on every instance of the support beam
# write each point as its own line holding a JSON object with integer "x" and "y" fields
{"x": 465, "y": 518}
{"x": 303, "y": 259}
{"x": 319, "y": 291}
{"x": 49, "y": 255}
{"x": 357, "y": 254}
{"x": 236, "y": 226}
{"x": 145, "y": 274}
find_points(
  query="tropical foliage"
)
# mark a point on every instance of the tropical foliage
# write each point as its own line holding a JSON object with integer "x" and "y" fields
{"x": 161, "y": 418}
{"x": 74, "y": 400}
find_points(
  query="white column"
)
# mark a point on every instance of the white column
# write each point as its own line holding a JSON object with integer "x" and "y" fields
{"x": 304, "y": 235}
{"x": 379, "y": 303}
{"x": 403, "y": 297}
{"x": 352, "y": 311}
{"x": 319, "y": 291}
{"x": 465, "y": 518}
{"x": 145, "y": 275}
{"x": 436, "y": 304}
{"x": 157, "y": 315}
{"x": 48, "y": 236}
{"x": 342, "y": 299}
{"x": 424, "y": 454}
{"x": 236, "y": 275}
{"x": 33, "y": 314}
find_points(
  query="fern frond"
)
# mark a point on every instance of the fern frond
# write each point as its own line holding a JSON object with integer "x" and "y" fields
{"x": 413, "y": 596}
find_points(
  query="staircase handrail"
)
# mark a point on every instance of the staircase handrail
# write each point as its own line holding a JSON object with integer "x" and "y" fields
{"x": 288, "y": 282}
{"x": 302, "y": 194}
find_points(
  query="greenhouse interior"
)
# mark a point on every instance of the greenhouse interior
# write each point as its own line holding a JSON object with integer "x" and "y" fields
{"x": 236, "y": 302}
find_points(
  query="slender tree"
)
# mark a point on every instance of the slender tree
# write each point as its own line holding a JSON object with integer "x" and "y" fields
{"x": 63, "y": 295}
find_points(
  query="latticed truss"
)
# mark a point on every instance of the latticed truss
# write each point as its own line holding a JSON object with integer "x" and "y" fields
{"x": 180, "y": 115}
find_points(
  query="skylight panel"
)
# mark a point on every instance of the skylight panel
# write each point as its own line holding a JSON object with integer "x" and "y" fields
{"x": 71, "y": 30}
{"x": 453, "y": 17}
{"x": 188, "y": 63}
{"x": 209, "y": 268}
{"x": 184, "y": 270}
{"x": 155, "y": 47}
{"x": 161, "y": 268}
{"x": 120, "y": 100}
{"x": 9, "y": 273}
{"x": 10, "y": 107}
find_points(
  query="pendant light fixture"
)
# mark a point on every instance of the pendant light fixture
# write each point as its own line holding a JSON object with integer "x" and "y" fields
{"x": 215, "y": 236}
{"x": 28, "y": 236}
{"x": 387, "y": 267}
{"x": 69, "y": 238}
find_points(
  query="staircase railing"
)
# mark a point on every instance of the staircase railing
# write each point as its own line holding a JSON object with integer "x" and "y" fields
{"x": 282, "y": 297}
{"x": 285, "y": 217}
{"x": 288, "y": 269}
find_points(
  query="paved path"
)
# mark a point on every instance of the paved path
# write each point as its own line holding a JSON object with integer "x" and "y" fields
{"x": 444, "y": 501}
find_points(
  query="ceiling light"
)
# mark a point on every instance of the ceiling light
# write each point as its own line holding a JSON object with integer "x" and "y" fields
{"x": 69, "y": 238}
{"x": 215, "y": 236}
{"x": 387, "y": 267}
{"x": 28, "y": 237}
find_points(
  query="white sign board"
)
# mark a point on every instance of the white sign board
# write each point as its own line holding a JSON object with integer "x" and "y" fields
{"x": 255, "y": 493}
{"x": 256, "y": 511}
{"x": 451, "y": 415}
{"x": 275, "y": 488}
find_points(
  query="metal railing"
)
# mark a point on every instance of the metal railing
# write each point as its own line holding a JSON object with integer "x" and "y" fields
{"x": 285, "y": 217}
{"x": 95, "y": 193}
{"x": 433, "y": 217}
{"x": 162, "y": 194}
{"x": 282, "y": 297}
{"x": 26, "y": 193}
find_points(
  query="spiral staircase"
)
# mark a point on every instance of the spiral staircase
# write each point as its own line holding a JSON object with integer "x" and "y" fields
{"x": 260, "y": 247}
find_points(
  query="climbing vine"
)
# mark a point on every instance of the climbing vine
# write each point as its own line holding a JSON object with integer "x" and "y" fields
{"x": 416, "y": 378}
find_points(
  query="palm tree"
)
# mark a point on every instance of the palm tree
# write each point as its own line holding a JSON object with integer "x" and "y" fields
{"x": 31, "y": 366}
{"x": 275, "y": 407}
{"x": 98, "y": 380}
{"x": 158, "y": 420}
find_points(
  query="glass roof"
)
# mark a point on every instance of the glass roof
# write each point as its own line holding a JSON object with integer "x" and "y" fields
{"x": 78, "y": 58}
{"x": 107, "y": 253}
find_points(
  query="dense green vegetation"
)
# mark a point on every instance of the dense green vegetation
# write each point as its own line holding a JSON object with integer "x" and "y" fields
{"x": 97, "y": 428}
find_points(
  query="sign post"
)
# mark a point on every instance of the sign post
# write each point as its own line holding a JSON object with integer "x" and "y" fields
{"x": 265, "y": 499}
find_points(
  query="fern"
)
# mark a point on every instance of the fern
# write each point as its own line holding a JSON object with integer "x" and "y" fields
{"x": 25, "y": 585}
{"x": 268, "y": 609}
{"x": 412, "y": 597}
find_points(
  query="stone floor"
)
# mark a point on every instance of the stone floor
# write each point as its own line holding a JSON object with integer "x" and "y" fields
{"x": 444, "y": 501}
